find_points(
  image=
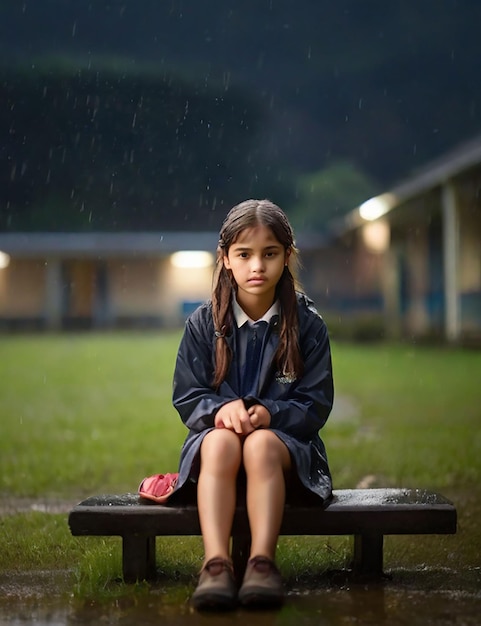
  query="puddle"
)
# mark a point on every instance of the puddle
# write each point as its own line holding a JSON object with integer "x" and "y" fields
{"x": 422, "y": 597}
{"x": 345, "y": 409}
{"x": 445, "y": 591}
{"x": 14, "y": 506}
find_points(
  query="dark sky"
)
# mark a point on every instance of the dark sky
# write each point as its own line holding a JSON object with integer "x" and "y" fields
{"x": 387, "y": 85}
{"x": 312, "y": 60}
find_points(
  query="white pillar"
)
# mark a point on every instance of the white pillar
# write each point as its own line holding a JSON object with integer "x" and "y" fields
{"x": 451, "y": 259}
{"x": 417, "y": 263}
{"x": 391, "y": 292}
{"x": 53, "y": 293}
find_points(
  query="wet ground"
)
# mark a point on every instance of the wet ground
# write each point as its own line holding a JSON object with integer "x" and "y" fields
{"x": 444, "y": 590}
{"x": 413, "y": 595}
{"x": 418, "y": 597}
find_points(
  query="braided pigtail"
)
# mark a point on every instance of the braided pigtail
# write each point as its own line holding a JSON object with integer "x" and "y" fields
{"x": 222, "y": 317}
{"x": 288, "y": 357}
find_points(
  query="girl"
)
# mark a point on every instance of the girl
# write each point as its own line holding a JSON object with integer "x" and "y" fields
{"x": 253, "y": 383}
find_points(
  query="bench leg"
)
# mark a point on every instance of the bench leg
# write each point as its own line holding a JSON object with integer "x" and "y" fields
{"x": 138, "y": 558}
{"x": 241, "y": 545}
{"x": 368, "y": 555}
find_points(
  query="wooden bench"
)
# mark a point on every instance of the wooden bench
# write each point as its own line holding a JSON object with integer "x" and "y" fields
{"x": 367, "y": 514}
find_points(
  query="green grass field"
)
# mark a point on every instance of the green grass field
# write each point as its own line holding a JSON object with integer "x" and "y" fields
{"x": 91, "y": 413}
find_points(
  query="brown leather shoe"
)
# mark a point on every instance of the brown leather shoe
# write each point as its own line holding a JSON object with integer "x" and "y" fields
{"x": 216, "y": 589}
{"x": 262, "y": 586}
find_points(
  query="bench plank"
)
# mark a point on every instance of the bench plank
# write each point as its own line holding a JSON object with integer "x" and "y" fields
{"x": 368, "y": 514}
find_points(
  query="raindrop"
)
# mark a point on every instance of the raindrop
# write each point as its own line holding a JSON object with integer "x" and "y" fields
{"x": 74, "y": 29}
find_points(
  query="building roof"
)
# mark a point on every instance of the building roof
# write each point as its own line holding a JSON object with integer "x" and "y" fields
{"x": 437, "y": 172}
{"x": 108, "y": 245}
{"x": 105, "y": 244}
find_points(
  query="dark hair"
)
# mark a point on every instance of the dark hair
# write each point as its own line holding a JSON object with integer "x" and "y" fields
{"x": 248, "y": 214}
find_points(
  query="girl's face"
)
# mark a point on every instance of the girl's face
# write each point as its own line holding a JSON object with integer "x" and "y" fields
{"x": 256, "y": 260}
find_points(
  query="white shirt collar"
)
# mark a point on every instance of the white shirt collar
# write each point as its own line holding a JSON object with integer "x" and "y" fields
{"x": 241, "y": 316}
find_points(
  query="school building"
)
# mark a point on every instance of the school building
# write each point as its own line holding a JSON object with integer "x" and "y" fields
{"x": 404, "y": 264}
{"x": 102, "y": 280}
{"x": 63, "y": 281}
{"x": 420, "y": 245}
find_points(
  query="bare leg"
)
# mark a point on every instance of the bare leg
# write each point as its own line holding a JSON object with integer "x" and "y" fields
{"x": 266, "y": 461}
{"x": 220, "y": 455}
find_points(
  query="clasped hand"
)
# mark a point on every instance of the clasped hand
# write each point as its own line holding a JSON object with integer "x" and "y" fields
{"x": 234, "y": 416}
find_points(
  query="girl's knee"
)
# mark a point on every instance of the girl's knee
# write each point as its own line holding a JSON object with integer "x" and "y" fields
{"x": 221, "y": 449}
{"x": 262, "y": 439}
{"x": 263, "y": 447}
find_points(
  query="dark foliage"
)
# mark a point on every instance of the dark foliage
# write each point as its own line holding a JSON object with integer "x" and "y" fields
{"x": 128, "y": 115}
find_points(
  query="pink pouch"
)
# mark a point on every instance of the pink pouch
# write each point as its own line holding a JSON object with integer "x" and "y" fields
{"x": 158, "y": 487}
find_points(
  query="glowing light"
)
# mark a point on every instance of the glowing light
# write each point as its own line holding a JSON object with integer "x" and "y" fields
{"x": 192, "y": 259}
{"x": 374, "y": 208}
{"x": 4, "y": 260}
{"x": 376, "y": 235}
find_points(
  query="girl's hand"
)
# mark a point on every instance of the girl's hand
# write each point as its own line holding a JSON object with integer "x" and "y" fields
{"x": 234, "y": 416}
{"x": 259, "y": 416}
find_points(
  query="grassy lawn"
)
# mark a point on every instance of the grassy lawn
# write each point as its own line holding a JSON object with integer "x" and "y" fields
{"x": 90, "y": 413}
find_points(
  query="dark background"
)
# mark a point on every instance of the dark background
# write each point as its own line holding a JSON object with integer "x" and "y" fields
{"x": 145, "y": 114}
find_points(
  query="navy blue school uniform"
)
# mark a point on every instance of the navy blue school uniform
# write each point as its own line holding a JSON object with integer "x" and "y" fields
{"x": 298, "y": 408}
